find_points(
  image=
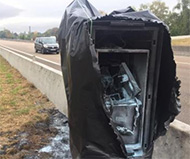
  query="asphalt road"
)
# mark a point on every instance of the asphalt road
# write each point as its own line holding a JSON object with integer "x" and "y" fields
{"x": 183, "y": 72}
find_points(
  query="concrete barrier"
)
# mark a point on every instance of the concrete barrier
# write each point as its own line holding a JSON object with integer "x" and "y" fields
{"x": 175, "y": 145}
{"x": 180, "y": 37}
{"x": 181, "y": 50}
{"x": 48, "y": 80}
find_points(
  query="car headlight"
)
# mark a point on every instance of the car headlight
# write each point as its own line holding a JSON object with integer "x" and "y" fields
{"x": 45, "y": 46}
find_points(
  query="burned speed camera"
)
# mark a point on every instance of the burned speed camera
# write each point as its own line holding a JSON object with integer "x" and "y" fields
{"x": 129, "y": 58}
{"x": 120, "y": 81}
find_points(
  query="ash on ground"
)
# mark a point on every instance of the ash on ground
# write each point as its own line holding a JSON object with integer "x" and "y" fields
{"x": 45, "y": 140}
{"x": 59, "y": 145}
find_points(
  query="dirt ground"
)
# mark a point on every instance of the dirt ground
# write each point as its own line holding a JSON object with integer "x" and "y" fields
{"x": 26, "y": 117}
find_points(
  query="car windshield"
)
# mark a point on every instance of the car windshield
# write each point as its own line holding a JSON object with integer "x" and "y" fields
{"x": 48, "y": 40}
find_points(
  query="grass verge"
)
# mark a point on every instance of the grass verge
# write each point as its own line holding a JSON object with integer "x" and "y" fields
{"x": 21, "y": 106}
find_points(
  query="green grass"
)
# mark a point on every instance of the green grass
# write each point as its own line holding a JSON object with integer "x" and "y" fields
{"x": 9, "y": 78}
{"x": 12, "y": 103}
{"x": 8, "y": 101}
{"x": 20, "y": 105}
{"x": 16, "y": 90}
{"x": 3, "y": 109}
{"x": 23, "y": 111}
{"x": 3, "y": 67}
{"x": 23, "y": 93}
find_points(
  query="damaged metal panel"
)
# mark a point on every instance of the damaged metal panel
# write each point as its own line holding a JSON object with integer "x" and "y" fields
{"x": 124, "y": 100}
{"x": 120, "y": 80}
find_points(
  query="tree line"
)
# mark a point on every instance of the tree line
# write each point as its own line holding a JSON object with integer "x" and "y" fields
{"x": 7, "y": 34}
{"x": 178, "y": 20}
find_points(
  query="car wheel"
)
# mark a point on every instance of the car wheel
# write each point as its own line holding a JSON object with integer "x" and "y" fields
{"x": 57, "y": 52}
{"x": 43, "y": 51}
{"x": 36, "y": 50}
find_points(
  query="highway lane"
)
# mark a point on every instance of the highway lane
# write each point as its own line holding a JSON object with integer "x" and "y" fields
{"x": 183, "y": 72}
{"x": 28, "y": 47}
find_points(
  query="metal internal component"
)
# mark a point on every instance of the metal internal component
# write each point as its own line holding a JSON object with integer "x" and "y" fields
{"x": 121, "y": 99}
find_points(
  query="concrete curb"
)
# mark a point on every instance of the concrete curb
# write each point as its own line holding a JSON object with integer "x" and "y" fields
{"x": 175, "y": 145}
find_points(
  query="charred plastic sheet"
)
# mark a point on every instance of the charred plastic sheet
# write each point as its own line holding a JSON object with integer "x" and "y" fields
{"x": 120, "y": 81}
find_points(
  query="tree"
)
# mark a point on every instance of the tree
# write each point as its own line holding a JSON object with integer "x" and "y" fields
{"x": 178, "y": 20}
{"x": 51, "y": 32}
{"x": 6, "y": 34}
{"x": 144, "y": 7}
{"x": 158, "y": 8}
{"x": 22, "y": 36}
{"x": 172, "y": 23}
{"x": 2, "y": 34}
{"x": 184, "y": 20}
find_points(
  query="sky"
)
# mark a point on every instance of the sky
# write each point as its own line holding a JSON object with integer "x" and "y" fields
{"x": 40, "y": 15}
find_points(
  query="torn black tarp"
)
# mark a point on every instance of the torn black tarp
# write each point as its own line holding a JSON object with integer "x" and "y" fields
{"x": 120, "y": 81}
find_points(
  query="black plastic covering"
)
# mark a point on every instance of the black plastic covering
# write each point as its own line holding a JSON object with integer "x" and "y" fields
{"x": 91, "y": 134}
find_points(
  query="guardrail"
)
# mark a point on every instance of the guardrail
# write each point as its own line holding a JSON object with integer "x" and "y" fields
{"x": 175, "y": 145}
